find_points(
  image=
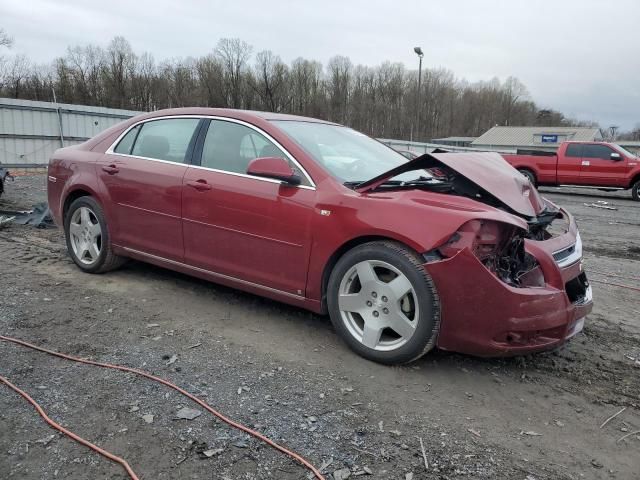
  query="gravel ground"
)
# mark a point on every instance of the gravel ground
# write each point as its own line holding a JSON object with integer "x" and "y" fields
{"x": 284, "y": 372}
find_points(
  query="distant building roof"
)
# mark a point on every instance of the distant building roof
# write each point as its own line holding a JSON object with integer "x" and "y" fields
{"x": 535, "y": 136}
{"x": 453, "y": 139}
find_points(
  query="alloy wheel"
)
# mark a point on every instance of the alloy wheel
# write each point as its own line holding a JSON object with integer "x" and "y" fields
{"x": 85, "y": 235}
{"x": 378, "y": 305}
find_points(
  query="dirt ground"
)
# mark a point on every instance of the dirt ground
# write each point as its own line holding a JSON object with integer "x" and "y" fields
{"x": 284, "y": 372}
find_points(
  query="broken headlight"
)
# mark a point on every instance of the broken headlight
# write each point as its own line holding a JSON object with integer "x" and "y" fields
{"x": 500, "y": 248}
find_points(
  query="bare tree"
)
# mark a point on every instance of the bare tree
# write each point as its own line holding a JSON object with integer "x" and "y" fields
{"x": 379, "y": 100}
{"x": 234, "y": 54}
{"x": 5, "y": 39}
{"x": 270, "y": 81}
{"x": 120, "y": 62}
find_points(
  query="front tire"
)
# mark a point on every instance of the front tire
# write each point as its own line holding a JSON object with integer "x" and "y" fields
{"x": 87, "y": 237}
{"x": 383, "y": 303}
{"x": 635, "y": 191}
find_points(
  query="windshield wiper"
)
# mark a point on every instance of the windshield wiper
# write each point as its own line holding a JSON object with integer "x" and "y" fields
{"x": 421, "y": 181}
{"x": 353, "y": 184}
{"x": 399, "y": 183}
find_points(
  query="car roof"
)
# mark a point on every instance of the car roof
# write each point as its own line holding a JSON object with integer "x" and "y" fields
{"x": 238, "y": 114}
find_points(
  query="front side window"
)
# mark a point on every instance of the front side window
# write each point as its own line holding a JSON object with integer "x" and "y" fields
{"x": 350, "y": 156}
{"x": 597, "y": 151}
{"x": 166, "y": 139}
{"x": 574, "y": 150}
{"x": 230, "y": 147}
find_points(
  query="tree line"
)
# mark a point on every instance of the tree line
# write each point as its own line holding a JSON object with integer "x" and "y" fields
{"x": 381, "y": 101}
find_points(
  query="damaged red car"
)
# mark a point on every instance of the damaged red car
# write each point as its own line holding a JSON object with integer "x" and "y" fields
{"x": 449, "y": 250}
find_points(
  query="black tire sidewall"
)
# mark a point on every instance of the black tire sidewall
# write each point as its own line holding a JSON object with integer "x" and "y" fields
{"x": 428, "y": 323}
{"x": 635, "y": 191}
{"x": 97, "y": 210}
{"x": 529, "y": 174}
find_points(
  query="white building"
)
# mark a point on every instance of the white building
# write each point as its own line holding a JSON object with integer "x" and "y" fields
{"x": 533, "y": 138}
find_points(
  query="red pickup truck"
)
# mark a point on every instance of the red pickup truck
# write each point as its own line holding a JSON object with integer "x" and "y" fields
{"x": 605, "y": 166}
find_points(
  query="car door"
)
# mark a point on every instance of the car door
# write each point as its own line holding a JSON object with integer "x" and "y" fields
{"x": 570, "y": 165}
{"x": 247, "y": 227}
{"x": 142, "y": 178}
{"x": 598, "y": 168}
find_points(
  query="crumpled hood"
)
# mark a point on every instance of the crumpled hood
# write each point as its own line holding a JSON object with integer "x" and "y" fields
{"x": 492, "y": 173}
{"x": 488, "y": 170}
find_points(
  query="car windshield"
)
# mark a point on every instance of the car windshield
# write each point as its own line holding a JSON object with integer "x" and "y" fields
{"x": 350, "y": 156}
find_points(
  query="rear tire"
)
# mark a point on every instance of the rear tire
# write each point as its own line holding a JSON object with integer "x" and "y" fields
{"x": 383, "y": 303}
{"x": 635, "y": 191}
{"x": 87, "y": 237}
{"x": 530, "y": 175}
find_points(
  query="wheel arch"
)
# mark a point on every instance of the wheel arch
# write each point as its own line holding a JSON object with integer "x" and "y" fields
{"x": 634, "y": 179}
{"x": 340, "y": 251}
{"x": 73, "y": 195}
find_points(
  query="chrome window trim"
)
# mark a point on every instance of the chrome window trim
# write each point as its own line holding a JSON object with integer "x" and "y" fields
{"x": 111, "y": 148}
{"x": 253, "y": 177}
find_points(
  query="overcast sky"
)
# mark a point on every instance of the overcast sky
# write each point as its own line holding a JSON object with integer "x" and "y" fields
{"x": 581, "y": 57}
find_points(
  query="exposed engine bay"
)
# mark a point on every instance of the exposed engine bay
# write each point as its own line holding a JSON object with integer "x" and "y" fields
{"x": 500, "y": 247}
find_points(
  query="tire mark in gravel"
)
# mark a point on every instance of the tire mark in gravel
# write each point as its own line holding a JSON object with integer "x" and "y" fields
{"x": 31, "y": 250}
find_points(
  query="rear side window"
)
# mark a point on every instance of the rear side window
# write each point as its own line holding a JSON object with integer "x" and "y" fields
{"x": 165, "y": 139}
{"x": 597, "y": 151}
{"x": 574, "y": 150}
{"x": 126, "y": 143}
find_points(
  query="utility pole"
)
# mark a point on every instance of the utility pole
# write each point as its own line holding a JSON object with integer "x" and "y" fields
{"x": 55, "y": 102}
{"x": 420, "y": 54}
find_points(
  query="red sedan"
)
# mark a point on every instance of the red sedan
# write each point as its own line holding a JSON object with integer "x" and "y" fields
{"x": 454, "y": 250}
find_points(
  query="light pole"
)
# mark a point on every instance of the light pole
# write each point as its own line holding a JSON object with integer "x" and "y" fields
{"x": 420, "y": 54}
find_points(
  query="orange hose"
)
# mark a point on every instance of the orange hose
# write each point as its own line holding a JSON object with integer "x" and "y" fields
{"x": 75, "y": 437}
{"x": 141, "y": 373}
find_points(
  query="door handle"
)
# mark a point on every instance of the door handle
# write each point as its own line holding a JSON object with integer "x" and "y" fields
{"x": 110, "y": 169}
{"x": 200, "y": 185}
{"x": 586, "y": 163}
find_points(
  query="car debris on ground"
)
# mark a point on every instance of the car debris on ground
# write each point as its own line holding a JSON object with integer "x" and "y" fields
{"x": 4, "y": 176}
{"x": 38, "y": 216}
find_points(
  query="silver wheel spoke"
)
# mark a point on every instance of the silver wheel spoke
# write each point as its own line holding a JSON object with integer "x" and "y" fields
{"x": 366, "y": 274}
{"x": 75, "y": 229}
{"x": 83, "y": 248}
{"x": 400, "y": 286}
{"x": 351, "y": 302}
{"x": 400, "y": 324}
{"x": 95, "y": 230}
{"x": 93, "y": 251}
{"x": 85, "y": 218}
{"x": 371, "y": 334}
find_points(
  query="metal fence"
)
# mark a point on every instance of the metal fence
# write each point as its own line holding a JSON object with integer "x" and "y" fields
{"x": 31, "y": 131}
{"x": 420, "y": 147}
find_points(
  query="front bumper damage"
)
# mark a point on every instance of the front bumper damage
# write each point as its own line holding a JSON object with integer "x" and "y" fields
{"x": 482, "y": 315}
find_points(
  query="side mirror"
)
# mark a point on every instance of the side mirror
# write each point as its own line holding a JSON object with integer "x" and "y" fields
{"x": 273, "y": 167}
{"x": 616, "y": 157}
